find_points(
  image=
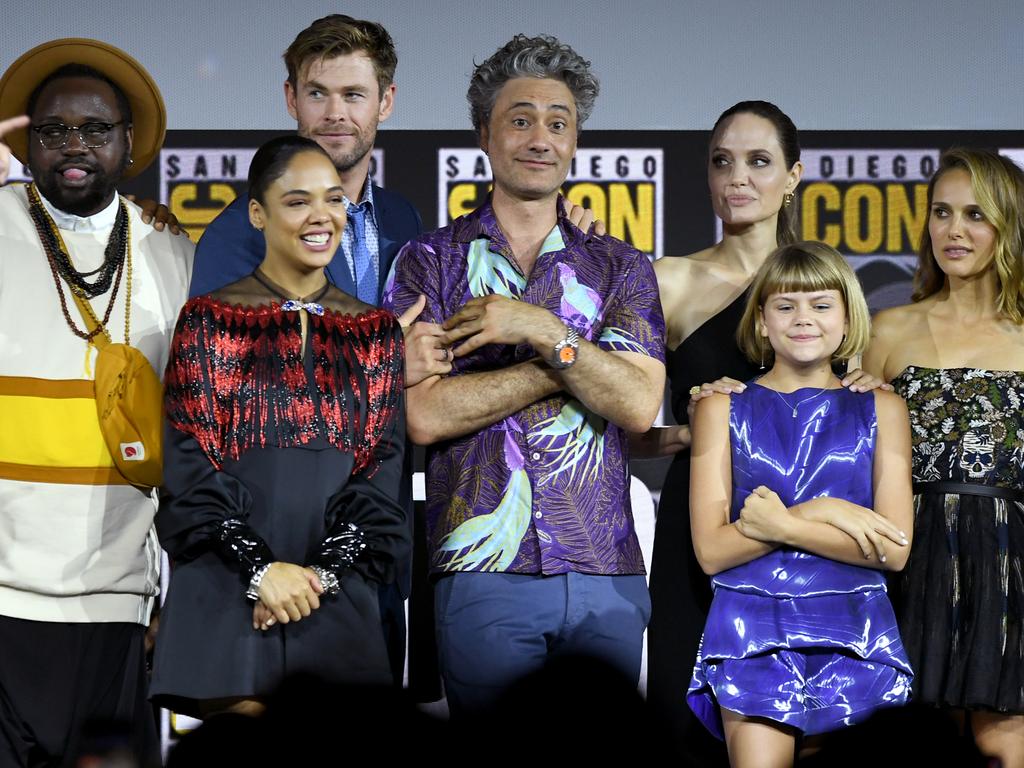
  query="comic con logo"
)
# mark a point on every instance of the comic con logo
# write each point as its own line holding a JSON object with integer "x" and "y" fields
{"x": 867, "y": 201}
{"x": 623, "y": 187}
{"x": 197, "y": 184}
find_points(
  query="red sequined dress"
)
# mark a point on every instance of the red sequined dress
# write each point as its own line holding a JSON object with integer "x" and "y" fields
{"x": 275, "y": 452}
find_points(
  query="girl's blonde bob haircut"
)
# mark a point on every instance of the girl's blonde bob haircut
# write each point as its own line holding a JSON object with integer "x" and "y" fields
{"x": 804, "y": 267}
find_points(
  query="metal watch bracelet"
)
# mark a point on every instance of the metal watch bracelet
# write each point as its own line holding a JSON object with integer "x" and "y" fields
{"x": 253, "y": 592}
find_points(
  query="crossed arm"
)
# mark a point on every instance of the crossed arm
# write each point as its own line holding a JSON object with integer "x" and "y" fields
{"x": 833, "y": 528}
{"x": 623, "y": 387}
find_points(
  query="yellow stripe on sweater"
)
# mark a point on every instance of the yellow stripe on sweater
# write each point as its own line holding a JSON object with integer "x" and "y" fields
{"x": 50, "y": 423}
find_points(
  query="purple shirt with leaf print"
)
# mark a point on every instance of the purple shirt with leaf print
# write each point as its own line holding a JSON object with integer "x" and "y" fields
{"x": 546, "y": 490}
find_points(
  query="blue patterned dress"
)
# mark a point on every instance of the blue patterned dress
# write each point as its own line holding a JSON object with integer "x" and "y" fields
{"x": 806, "y": 641}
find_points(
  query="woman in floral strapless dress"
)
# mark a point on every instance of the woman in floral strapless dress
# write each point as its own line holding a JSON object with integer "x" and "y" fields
{"x": 957, "y": 356}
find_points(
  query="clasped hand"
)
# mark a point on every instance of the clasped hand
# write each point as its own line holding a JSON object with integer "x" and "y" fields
{"x": 288, "y": 592}
{"x": 763, "y": 516}
{"x": 427, "y": 353}
{"x": 498, "y": 319}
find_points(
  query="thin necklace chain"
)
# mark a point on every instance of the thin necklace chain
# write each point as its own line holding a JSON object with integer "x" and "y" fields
{"x": 801, "y": 402}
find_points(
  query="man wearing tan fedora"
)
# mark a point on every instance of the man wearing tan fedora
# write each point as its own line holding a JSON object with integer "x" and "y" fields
{"x": 80, "y": 273}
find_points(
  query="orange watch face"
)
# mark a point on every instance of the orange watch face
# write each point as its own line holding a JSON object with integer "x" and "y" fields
{"x": 567, "y": 355}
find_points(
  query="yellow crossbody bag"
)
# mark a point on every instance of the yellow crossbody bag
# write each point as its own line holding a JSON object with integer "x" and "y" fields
{"x": 129, "y": 403}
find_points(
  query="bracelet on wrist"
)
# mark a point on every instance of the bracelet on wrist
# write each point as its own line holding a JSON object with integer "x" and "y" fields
{"x": 253, "y": 592}
{"x": 328, "y": 579}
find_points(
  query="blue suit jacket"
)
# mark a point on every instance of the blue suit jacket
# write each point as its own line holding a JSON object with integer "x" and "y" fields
{"x": 230, "y": 248}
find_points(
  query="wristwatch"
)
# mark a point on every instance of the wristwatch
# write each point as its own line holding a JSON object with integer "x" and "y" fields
{"x": 564, "y": 353}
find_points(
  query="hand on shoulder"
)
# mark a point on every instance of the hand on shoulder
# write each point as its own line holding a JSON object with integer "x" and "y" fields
{"x": 713, "y": 403}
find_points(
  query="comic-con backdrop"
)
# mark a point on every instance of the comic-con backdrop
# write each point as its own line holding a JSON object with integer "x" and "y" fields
{"x": 862, "y": 192}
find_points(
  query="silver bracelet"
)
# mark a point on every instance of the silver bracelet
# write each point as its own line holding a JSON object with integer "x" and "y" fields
{"x": 253, "y": 592}
{"x": 328, "y": 580}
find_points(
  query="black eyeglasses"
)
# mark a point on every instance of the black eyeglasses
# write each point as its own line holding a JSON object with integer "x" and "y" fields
{"x": 92, "y": 135}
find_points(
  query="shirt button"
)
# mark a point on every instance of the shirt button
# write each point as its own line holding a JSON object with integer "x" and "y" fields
{"x": 538, "y": 515}
{"x": 535, "y": 456}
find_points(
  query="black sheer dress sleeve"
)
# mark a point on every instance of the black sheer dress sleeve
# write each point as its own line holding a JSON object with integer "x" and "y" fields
{"x": 201, "y": 507}
{"x": 368, "y": 530}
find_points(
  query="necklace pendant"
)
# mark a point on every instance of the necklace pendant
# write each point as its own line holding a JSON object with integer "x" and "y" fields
{"x": 311, "y": 307}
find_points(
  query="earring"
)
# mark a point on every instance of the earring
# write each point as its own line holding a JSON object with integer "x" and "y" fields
{"x": 762, "y": 358}
{"x": 131, "y": 160}
{"x": 787, "y": 200}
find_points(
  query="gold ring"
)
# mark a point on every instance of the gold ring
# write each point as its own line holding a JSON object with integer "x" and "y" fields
{"x": 694, "y": 390}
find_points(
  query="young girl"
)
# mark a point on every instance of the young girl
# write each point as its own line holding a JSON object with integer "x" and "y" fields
{"x": 282, "y": 461}
{"x": 800, "y": 496}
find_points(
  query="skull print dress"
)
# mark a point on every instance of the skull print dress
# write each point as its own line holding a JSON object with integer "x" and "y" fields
{"x": 960, "y": 598}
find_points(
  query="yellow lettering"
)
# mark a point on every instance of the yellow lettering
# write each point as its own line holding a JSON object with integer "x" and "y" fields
{"x": 871, "y": 241}
{"x": 590, "y": 196}
{"x": 817, "y": 197}
{"x": 196, "y": 218}
{"x": 904, "y": 219}
{"x": 638, "y": 219}
{"x": 462, "y": 199}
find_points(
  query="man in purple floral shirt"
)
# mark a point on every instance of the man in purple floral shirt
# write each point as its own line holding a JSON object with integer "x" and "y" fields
{"x": 558, "y": 343}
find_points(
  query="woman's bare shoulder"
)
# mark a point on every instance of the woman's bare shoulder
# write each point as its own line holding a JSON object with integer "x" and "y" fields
{"x": 896, "y": 322}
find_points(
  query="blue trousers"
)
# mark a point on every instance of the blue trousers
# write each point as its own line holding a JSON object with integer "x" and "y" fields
{"x": 494, "y": 628}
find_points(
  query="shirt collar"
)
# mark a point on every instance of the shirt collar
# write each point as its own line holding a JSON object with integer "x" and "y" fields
{"x": 367, "y": 201}
{"x": 483, "y": 223}
{"x": 68, "y": 221}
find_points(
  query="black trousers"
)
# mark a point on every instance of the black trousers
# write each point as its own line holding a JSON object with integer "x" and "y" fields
{"x": 69, "y": 690}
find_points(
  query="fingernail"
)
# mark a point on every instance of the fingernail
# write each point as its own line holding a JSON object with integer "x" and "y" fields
{"x": 882, "y": 558}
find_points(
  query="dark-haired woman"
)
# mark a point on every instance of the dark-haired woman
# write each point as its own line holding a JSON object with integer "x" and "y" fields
{"x": 957, "y": 356}
{"x": 282, "y": 460}
{"x": 753, "y": 172}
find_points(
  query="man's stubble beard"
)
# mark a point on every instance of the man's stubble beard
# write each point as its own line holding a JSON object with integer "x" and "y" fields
{"x": 91, "y": 200}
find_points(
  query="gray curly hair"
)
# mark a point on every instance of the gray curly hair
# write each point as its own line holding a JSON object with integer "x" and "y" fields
{"x": 523, "y": 56}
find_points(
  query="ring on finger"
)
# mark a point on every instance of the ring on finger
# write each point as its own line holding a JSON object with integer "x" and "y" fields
{"x": 447, "y": 354}
{"x": 695, "y": 390}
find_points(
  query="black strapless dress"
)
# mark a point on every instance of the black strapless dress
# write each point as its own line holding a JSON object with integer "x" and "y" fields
{"x": 960, "y": 598}
{"x": 680, "y": 590}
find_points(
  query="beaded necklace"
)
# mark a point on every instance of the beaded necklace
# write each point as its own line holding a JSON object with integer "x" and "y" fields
{"x": 116, "y": 256}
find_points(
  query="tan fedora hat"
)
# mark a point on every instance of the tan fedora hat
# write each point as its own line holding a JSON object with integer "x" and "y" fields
{"x": 149, "y": 116}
